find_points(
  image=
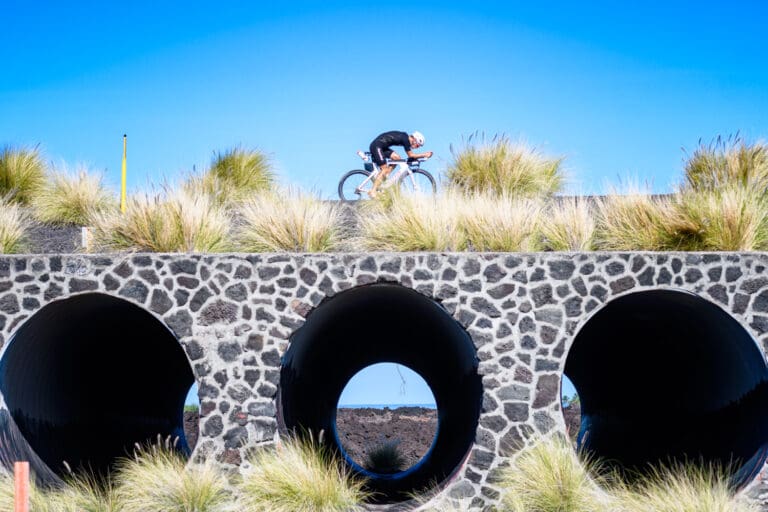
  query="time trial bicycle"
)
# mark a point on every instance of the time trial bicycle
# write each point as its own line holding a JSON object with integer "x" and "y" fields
{"x": 407, "y": 174}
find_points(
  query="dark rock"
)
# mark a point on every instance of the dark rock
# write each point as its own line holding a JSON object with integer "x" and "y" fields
{"x": 229, "y": 351}
{"x": 180, "y": 323}
{"x": 218, "y": 312}
{"x": 136, "y": 290}
{"x": 561, "y": 270}
{"x": 547, "y": 389}
{"x": 160, "y": 303}
{"x": 183, "y": 267}
{"x": 82, "y": 285}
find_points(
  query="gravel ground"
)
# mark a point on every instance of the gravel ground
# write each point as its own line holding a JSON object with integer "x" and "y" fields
{"x": 53, "y": 239}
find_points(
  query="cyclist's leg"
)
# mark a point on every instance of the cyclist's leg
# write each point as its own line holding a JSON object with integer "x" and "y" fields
{"x": 379, "y": 155}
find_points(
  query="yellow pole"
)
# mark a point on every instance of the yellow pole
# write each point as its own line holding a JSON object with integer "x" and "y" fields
{"x": 122, "y": 188}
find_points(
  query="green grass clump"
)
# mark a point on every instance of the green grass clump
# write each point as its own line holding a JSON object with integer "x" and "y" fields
{"x": 14, "y": 221}
{"x": 549, "y": 477}
{"x": 299, "y": 476}
{"x": 385, "y": 458}
{"x": 567, "y": 225}
{"x": 502, "y": 167}
{"x": 288, "y": 221}
{"x": 173, "y": 221}
{"x": 237, "y": 174}
{"x": 731, "y": 218}
{"x": 22, "y": 172}
{"x": 66, "y": 198}
{"x": 156, "y": 478}
{"x": 681, "y": 488}
{"x": 727, "y": 162}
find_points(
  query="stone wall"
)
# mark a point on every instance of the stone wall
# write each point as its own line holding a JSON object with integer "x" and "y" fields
{"x": 234, "y": 316}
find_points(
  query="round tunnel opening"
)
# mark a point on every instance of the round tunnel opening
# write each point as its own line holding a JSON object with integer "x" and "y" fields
{"x": 85, "y": 379}
{"x": 373, "y": 324}
{"x": 665, "y": 377}
{"x": 386, "y": 419}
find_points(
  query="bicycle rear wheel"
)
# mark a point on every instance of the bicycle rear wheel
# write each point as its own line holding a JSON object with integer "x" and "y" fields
{"x": 355, "y": 185}
{"x": 418, "y": 182}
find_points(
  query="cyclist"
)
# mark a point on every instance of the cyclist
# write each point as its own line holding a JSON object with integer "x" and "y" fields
{"x": 381, "y": 150}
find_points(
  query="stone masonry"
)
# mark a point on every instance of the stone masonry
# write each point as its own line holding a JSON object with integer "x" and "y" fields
{"x": 234, "y": 315}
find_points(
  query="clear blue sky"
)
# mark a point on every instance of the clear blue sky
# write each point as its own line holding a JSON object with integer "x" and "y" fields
{"x": 617, "y": 88}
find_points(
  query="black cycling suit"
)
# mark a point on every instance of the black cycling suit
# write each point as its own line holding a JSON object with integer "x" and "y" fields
{"x": 380, "y": 147}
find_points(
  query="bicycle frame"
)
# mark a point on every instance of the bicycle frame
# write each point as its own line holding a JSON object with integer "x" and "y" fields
{"x": 401, "y": 167}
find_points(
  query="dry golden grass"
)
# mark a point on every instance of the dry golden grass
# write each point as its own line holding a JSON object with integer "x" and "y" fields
{"x": 550, "y": 477}
{"x": 156, "y": 478}
{"x": 72, "y": 198}
{"x": 731, "y": 218}
{"x": 170, "y": 221}
{"x": 398, "y": 222}
{"x": 568, "y": 225}
{"x": 289, "y": 221}
{"x": 84, "y": 494}
{"x": 38, "y": 500}
{"x": 681, "y": 489}
{"x": 299, "y": 476}
{"x": 499, "y": 223}
{"x": 503, "y": 167}
{"x": 633, "y": 220}
{"x": 14, "y": 221}
{"x": 22, "y": 172}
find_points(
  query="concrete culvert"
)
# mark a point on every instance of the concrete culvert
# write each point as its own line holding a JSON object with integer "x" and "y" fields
{"x": 84, "y": 379}
{"x": 372, "y": 324}
{"x": 668, "y": 377}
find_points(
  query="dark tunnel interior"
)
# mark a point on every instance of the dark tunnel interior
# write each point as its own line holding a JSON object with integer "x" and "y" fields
{"x": 384, "y": 323}
{"x": 85, "y": 378}
{"x": 668, "y": 377}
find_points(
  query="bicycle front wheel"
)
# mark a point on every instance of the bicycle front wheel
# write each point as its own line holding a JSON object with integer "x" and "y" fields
{"x": 418, "y": 182}
{"x": 355, "y": 185}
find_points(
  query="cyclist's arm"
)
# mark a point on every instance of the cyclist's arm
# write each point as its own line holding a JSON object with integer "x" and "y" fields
{"x": 426, "y": 154}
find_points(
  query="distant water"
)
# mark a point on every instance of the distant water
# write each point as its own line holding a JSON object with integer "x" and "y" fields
{"x": 384, "y": 406}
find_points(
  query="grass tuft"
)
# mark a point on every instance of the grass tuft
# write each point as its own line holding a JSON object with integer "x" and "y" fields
{"x": 67, "y": 198}
{"x": 22, "y": 172}
{"x": 237, "y": 174}
{"x": 289, "y": 221}
{"x": 499, "y": 222}
{"x": 299, "y": 476}
{"x": 172, "y": 221}
{"x": 682, "y": 488}
{"x": 39, "y": 501}
{"x": 727, "y": 162}
{"x": 549, "y": 477}
{"x": 156, "y": 478}
{"x": 401, "y": 222}
{"x": 633, "y": 221}
{"x": 14, "y": 221}
{"x": 83, "y": 493}
{"x": 503, "y": 167}
{"x": 731, "y": 218}
{"x": 567, "y": 225}
{"x": 385, "y": 459}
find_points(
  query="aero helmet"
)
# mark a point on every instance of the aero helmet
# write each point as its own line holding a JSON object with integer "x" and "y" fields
{"x": 418, "y": 137}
